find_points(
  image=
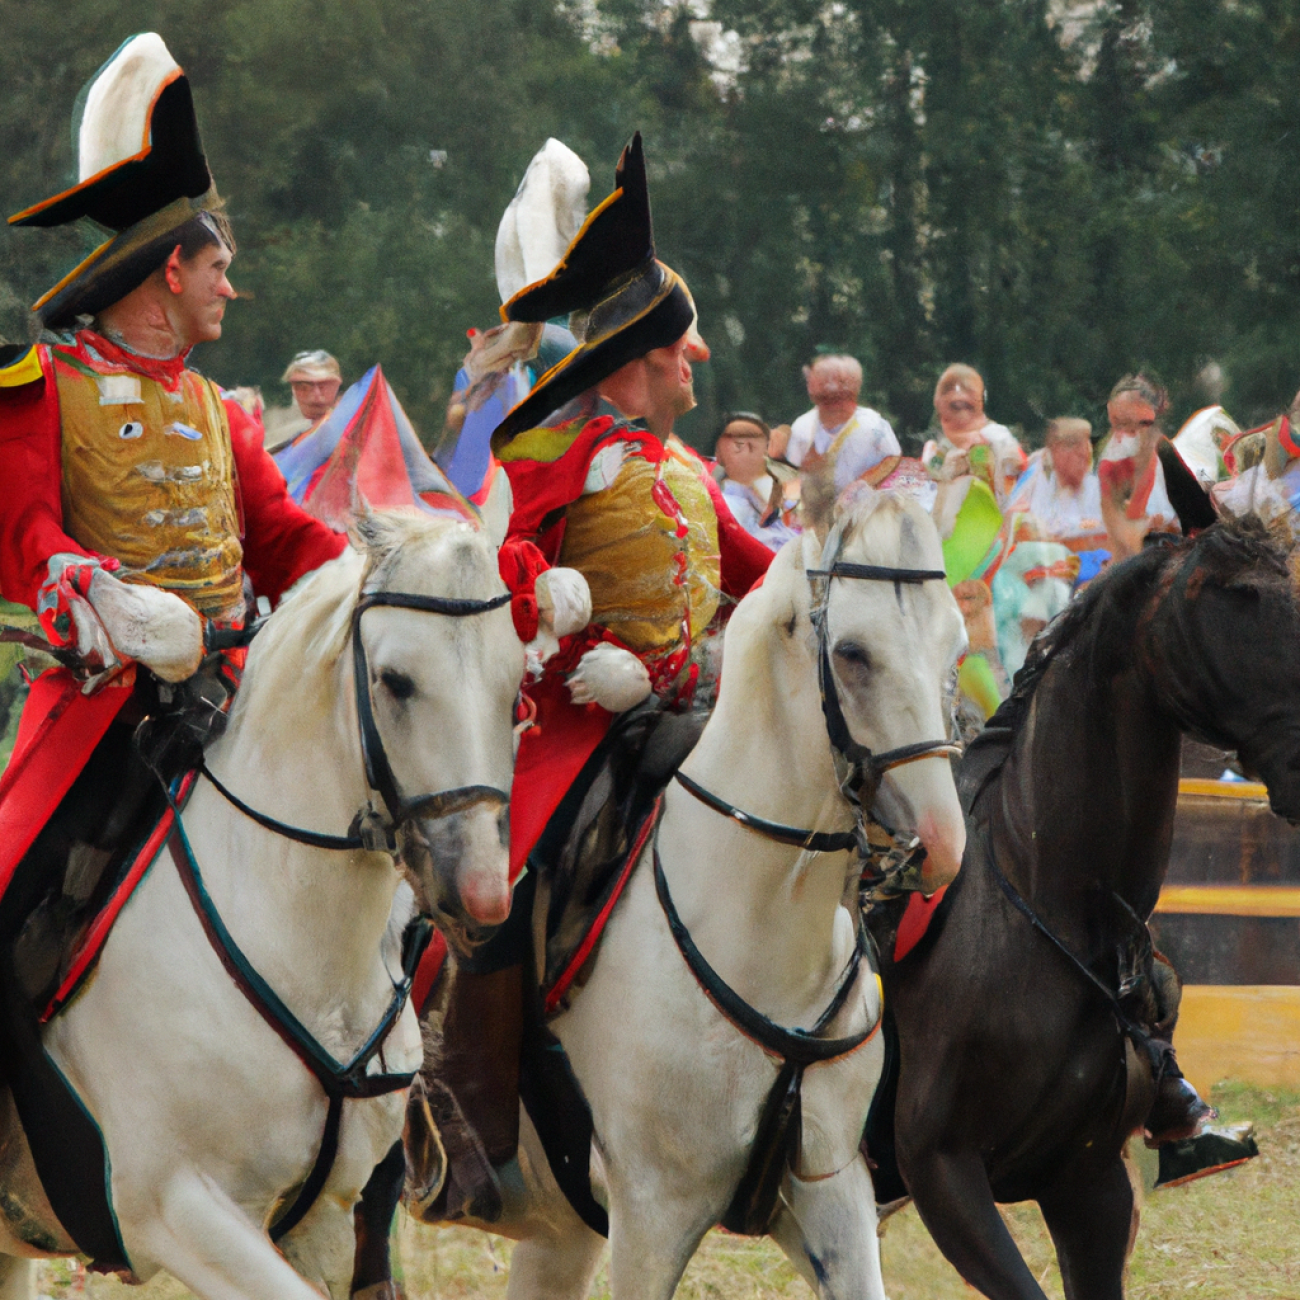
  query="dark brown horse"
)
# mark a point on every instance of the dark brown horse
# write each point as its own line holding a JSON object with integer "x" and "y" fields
{"x": 1016, "y": 1083}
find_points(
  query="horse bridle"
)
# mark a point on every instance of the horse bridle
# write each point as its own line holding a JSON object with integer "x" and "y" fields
{"x": 370, "y": 830}
{"x": 857, "y": 767}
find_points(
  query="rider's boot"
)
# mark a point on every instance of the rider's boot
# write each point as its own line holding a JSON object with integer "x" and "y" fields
{"x": 471, "y": 1091}
{"x": 1178, "y": 1111}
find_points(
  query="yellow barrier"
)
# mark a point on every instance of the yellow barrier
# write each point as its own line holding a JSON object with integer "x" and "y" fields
{"x": 1230, "y": 900}
{"x": 1249, "y": 1032}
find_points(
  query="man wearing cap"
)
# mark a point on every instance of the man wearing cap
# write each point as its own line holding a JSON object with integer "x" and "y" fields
{"x": 315, "y": 379}
{"x": 602, "y": 487}
{"x": 139, "y": 499}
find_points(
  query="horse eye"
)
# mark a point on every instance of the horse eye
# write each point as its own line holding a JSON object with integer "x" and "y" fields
{"x": 398, "y": 685}
{"x": 850, "y": 652}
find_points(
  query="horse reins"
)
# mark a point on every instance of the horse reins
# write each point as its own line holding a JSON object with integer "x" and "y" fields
{"x": 369, "y": 830}
{"x": 857, "y": 766}
{"x": 351, "y": 1078}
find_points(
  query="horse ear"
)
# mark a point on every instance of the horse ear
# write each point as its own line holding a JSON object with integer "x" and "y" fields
{"x": 1192, "y": 504}
{"x": 365, "y": 531}
{"x": 496, "y": 510}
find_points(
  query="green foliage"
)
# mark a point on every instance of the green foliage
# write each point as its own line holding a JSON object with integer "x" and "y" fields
{"x": 914, "y": 181}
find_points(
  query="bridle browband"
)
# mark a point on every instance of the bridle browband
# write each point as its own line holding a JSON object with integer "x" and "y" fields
{"x": 370, "y": 830}
{"x": 857, "y": 767}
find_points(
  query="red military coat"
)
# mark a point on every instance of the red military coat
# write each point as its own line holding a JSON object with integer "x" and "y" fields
{"x": 549, "y": 473}
{"x": 61, "y": 726}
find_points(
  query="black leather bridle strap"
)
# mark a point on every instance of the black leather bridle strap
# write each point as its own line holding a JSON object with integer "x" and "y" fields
{"x": 863, "y": 765}
{"x": 1133, "y": 1030}
{"x": 879, "y": 573}
{"x": 316, "y": 839}
{"x": 798, "y": 1047}
{"x": 813, "y": 841}
{"x": 379, "y": 772}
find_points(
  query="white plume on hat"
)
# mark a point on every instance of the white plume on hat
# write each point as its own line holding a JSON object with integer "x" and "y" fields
{"x": 546, "y": 213}
{"x": 115, "y": 121}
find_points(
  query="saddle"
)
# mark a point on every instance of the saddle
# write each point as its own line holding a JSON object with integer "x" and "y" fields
{"x": 584, "y": 857}
{"x": 57, "y": 913}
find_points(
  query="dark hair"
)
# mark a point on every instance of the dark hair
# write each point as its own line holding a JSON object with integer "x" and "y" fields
{"x": 201, "y": 231}
{"x": 733, "y": 417}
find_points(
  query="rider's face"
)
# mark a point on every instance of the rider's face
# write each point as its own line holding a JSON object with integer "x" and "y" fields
{"x": 199, "y": 293}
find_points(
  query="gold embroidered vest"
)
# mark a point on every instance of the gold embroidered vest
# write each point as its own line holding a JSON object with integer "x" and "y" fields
{"x": 149, "y": 478}
{"x": 648, "y": 585}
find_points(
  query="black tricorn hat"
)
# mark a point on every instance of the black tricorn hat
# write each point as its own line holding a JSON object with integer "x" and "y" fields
{"x": 142, "y": 175}
{"x": 621, "y": 301}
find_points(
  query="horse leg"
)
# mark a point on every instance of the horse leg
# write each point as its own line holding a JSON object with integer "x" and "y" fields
{"x": 17, "y": 1278}
{"x": 653, "y": 1232}
{"x": 1092, "y": 1225}
{"x": 953, "y": 1197}
{"x": 827, "y": 1227}
{"x": 372, "y": 1274}
{"x": 553, "y": 1267}
{"x": 209, "y": 1243}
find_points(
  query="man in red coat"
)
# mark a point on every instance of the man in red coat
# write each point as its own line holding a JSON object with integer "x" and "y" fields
{"x": 602, "y": 490}
{"x": 138, "y": 499}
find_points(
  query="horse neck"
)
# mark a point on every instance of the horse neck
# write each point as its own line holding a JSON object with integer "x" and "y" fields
{"x": 1085, "y": 804}
{"x": 767, "y": 911}
{"x": 311, "y": 919}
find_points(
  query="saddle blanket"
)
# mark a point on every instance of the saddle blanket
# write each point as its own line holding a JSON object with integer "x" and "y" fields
{"x": 80, "y": 962}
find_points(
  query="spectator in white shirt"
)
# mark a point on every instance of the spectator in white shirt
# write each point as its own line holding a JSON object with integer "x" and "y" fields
{"x": 1060, "y": 489}
{"x": 857, "y": 441}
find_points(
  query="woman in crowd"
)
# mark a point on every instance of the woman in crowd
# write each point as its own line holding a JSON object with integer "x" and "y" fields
{"x": 1133, "y": 497}
{"x": 968, "y": 442}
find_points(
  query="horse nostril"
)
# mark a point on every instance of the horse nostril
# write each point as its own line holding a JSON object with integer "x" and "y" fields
{"x": 503, "y": 826}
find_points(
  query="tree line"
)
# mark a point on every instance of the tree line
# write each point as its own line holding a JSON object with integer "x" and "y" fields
{"x": 1056, "y": 191}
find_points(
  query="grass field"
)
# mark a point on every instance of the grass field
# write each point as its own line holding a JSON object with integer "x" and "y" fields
{"x": 1234, "y": 1235}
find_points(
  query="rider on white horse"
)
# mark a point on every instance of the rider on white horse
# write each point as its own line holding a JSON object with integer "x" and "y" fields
{"x": 141, "y": 505}
{"x": 601, "y": 486}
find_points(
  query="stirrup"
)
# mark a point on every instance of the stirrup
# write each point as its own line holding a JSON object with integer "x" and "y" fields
{"x": 1211, "y": 1151}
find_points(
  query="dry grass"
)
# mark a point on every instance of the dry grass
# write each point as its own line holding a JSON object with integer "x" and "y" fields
{"x": 1226, "y": 1236}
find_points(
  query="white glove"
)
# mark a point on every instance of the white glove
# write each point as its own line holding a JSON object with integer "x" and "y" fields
{"x": 152, "y": 626}
{"x": 609, "y": 676}
{"x": 563, "y": 600}
{"x": 563, "y": 607}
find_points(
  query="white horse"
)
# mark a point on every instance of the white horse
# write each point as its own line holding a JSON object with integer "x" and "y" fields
{"x": 675, "y": 1089}
{"x": 210, "y": 1121}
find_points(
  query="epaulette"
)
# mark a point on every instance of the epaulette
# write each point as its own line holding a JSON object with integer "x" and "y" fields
{"x": 20, "y": 364}
{"x": 546, "y": 443}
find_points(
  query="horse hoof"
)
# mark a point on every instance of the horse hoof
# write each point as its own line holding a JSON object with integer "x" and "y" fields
{"x": 380, "y": 1291}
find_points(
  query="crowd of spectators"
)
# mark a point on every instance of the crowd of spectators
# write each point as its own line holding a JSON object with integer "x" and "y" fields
{"x": 1102, "y": 498}
{"x": 1020, "y": 531}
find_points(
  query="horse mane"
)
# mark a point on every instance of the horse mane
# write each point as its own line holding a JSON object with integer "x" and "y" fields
{"x": 1237, "y": 552}
{"x": 309, "y": 630}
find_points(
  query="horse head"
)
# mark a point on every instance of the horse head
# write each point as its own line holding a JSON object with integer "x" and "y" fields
{"x": 1221, "y": 641}
{"x": 890, "y": 645}
{"x": 440, "y": 675}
